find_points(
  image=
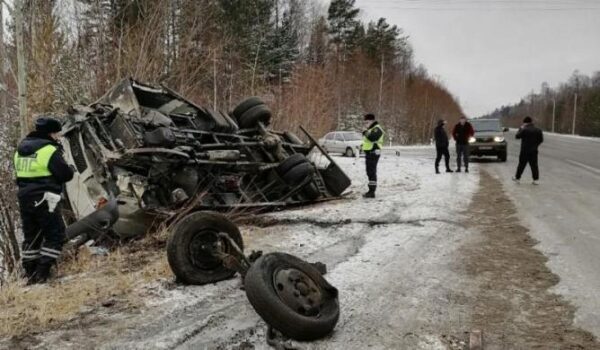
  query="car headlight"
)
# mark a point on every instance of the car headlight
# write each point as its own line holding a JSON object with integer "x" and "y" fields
{"x": 498, "y": 139}
{"x": 472, "y": 139}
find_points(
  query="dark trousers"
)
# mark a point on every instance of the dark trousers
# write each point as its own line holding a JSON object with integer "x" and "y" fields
{"x": 442, "y": 151}
{"x": 372, "y": 158}
{"x": 44, "y": 232}
{"x": 462, "y": 151}
{"x": 532, "y": 160}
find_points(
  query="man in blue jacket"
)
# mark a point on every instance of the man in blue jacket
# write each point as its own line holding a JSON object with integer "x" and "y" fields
{"x": 41, "y": 174}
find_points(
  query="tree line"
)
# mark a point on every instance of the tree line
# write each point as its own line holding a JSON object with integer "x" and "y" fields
{"x": 573, "y": 107}
{"x": 322, "y": 66}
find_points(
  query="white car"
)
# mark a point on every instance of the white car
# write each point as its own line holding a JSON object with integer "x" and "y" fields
{"x": 347, "y": 143}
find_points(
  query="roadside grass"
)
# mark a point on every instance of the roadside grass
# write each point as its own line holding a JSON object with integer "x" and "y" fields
{"x": 83, "y": 283}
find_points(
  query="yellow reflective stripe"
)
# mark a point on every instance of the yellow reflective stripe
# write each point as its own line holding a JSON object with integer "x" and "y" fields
{"x": 36, "y": 164}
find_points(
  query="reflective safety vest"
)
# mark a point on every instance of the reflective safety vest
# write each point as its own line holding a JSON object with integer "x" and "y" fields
{"x": 36, "y": 164}
{"x": 367, "y": 145}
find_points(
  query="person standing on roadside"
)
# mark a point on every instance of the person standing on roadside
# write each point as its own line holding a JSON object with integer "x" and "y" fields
{"x": 372, "y": 144}
{"x": 531, "y": 138}
{"x": 41, "y": 173}
{"x": 441, "y": 146}
{"x": 461, "y": 133}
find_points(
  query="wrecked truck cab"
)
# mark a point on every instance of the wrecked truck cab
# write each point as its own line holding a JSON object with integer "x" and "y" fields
{"x": 155, "y": 152}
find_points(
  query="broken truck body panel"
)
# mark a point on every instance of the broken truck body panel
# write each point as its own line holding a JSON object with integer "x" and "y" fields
{"x": 154, "y": 152}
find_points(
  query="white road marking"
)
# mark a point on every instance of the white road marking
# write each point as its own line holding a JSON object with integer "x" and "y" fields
{"x": 590, "y": 168}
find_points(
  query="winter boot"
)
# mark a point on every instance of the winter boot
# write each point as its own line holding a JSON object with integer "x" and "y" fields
{"x": 437, "y": 170}
{"x": 466, "y": 170}
{"x": 448, "y": 170}
{"x": 371, "y": 193}
{"x": 29, "y": 266}
{"x": 42, "y": 273}
{"x": 458, "y": 170}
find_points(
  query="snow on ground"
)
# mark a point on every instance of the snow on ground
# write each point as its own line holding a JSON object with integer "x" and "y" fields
{"x": 389, "y": 257}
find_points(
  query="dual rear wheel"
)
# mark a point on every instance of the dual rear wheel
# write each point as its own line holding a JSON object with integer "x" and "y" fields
{"x": 290, "y": 294}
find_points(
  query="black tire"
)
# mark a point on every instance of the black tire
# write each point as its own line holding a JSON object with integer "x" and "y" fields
{"x": 290, "y": 162}
{"x": 258, "y": 113}
{"x": 192, "y": 265}
{"x": 292, "y": 138}
{"x": 298, "y": 173}
{"x": 246, "y": 105}
{"x": 502, "y": 157}
{"x": 349, "y": 152}
{"x": 311, "y": 191}
{"x": 265, "y": 291}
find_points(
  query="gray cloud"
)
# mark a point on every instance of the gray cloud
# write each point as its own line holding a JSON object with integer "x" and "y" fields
{"x": 494, "y": 52}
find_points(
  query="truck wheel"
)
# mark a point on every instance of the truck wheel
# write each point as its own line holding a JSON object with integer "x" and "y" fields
{"x": 246, "y": 105}
{"x": 191, "y": 243}
{"x": 299, "y": 173}
{"x": 290, "y": 162}
{"x": 311, "y": 192}
{"x": 258, "y": 113}
{"x": 292, "y": 296}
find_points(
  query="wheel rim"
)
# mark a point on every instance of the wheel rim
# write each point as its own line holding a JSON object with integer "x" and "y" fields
{"x": 298, "y": 291}
{"x": 202, "y": 248}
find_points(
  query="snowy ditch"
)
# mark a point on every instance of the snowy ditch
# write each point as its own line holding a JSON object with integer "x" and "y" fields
{"x": 389, "y": 257}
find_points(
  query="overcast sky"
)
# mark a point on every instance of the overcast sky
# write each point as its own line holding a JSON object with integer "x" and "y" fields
{"x": 493, "y": 52}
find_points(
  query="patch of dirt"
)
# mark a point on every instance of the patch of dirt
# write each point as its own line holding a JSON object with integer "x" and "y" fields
{"x": 513, "y": 305}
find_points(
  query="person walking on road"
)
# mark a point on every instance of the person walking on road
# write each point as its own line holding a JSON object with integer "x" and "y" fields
{"x": 441, "y": 146}
{"x": 461, "y": 133}
{"x": 41, "y": 174}
{"x": 531, "y": 138}
{"x": 371, "y": 145}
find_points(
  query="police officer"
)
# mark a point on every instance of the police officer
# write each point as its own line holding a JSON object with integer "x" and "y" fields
{"x": 372, "y": 144}
{"x": 41, "y": 175}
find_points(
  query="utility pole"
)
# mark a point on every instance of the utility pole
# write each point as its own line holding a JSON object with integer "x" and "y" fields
{"x": 574, "y": 115}
{"x": 553, "y": 112}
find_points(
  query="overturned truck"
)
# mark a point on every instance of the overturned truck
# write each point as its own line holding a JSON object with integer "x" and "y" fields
{"x": 145, "y": 154}
{"x": 154, "y": 151}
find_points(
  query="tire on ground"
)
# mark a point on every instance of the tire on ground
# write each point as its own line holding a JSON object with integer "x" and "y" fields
{"x": 184, "y": 262}
{"x": 246, "y": 105}
{"x": 290, "y": 162}
{"x": 349, "y": 154}
{"x": 258, "y": 113}
{"x": 260, "y": 290}
{"x": 502, "y": 157}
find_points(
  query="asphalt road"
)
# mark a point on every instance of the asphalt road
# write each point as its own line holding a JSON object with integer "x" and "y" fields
{"x": 563, "y": 214}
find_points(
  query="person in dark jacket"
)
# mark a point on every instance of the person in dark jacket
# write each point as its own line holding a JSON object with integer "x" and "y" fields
{"x": 41, "y": 174}
{"x": 371, "y": 145}
{"x": 531, "y": 138}
{"x": 461, "y": 133}
{"x": 441, "y": 146}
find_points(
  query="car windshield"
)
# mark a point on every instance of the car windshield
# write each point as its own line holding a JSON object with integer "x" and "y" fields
{"x": 352, "y": 136}
{"x": 486, "y": 125}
